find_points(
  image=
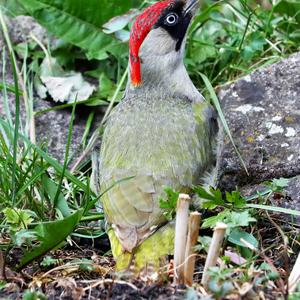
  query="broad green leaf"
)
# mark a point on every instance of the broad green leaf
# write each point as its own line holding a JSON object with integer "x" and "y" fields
{"x": 13, "y": 7}
{"x": 50, "y": 235}
{"x": 106, "y": 87}
{"x": 78, "y": 22}
{"x": 237, "y": 234}
{"x": 291, "y": 8}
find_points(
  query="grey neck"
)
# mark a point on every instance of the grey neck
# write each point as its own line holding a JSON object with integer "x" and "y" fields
{"x": 172, "y": 81}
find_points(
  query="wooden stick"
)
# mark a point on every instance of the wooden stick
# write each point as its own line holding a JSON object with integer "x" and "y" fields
{"x": 193, "y": 233}
{"x": 214, "y": 250}
{"x": 181, "y": 227}
{"x": 294, "y": 277}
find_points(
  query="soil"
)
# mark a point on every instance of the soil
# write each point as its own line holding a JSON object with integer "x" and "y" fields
{"x": 70, "y": 279}
{"x": 83, "y": 271}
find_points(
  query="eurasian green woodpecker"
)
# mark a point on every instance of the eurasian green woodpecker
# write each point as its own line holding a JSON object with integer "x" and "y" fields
{"x": 161, "y": 134}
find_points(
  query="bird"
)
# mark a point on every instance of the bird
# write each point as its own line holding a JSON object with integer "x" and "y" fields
{"x": 161, "y": 134}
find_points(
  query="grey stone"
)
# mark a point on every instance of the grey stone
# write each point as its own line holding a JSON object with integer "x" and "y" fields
{"x": 21, "y": 27}
{"x": 292, "y": 195}
{"x": 263, "y": 113}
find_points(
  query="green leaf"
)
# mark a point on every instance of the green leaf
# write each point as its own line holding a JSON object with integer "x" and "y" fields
{"x": 191, "y": 294}
{"x": 169, "y": 204}
{"x": 289, "y": 8}
{"x": 14, "y": 7}
{"x": 265, "y": 267}
{"x": 106, "y": 87}
{"x": 18, "y": 218}
{"x": 236, "y": 199}
{"x": 24, "y": 236}
{"x": 277, "y": 185}
{"x": 281, "y": 182}
{"x": 2, "y": 284}
{"x": 29, "y": 295}
{"x": 51, "y": 189}
{"x": 171, "y": 200}
{"x": 48, "y": 261}
{"x": 212, "y": 221}
{"x": 50, "y": 235}
{"x": 237, "y": 219}
{"x": 203, "y": 243}
{"x": 212, "y": 198}
{"x": 237, "y": 234}
{"x": 255, "y": 45}
{"x": 85, "y": 264}
{"x": 78, "y": 22}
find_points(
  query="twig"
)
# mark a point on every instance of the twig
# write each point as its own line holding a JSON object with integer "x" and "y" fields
{"x": 111, "y": 281}
{"x": 181, "y": 227}
{"x": 285, "y": 245}
{"x": 2, "y": 267}
{"x": 194, "y": 224}
{"x": 214, "y": 250}
{"x": 294, "y": 278}
{"x": 280, "y": 281}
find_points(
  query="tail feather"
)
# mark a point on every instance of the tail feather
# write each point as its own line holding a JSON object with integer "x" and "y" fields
{"x": 148, "y": 255}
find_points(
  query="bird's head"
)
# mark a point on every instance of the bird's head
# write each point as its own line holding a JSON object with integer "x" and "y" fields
{"x": 157, "y": 39}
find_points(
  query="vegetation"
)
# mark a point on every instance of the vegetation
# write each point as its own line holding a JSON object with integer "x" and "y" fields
{"x": 43, "y": 206}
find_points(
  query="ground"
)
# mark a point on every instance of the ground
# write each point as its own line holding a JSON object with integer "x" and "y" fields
{"x": 262, "y": 110}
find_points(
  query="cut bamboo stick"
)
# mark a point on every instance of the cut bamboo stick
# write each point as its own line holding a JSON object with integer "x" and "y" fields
{"x": 214, "y": 250}
{"x": 193, "y": 233}
{"x": 181, "y": 227}
{"x": 294, "y": 278}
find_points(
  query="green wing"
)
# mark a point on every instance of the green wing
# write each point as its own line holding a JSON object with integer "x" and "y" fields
{"x": 166, "y": 143}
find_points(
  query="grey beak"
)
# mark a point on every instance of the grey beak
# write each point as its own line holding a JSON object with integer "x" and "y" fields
{"x": 190, "y": 7}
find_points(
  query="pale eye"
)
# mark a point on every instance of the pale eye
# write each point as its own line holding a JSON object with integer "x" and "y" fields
{"x": 171, "y": 19}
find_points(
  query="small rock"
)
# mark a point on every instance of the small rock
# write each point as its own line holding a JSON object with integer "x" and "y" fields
{"x": 264, "y": 106}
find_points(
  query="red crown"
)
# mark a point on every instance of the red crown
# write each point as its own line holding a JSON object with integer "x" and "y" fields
{"x": 139, "y": 31}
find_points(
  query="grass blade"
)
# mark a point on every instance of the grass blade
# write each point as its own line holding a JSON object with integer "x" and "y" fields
{"x": 66, "y": 156}
{"x": 288, "y": 211}
{"x": 217, "y": 105}
{"x": 16, "y": 130}
{"x": 51, "y": 161}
